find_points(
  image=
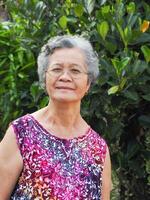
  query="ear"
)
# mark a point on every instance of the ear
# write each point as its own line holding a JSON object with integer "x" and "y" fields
{"x": 88, "y": 86}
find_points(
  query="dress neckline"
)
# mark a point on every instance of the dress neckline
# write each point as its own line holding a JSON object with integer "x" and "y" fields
{"x": 50, "y": 133}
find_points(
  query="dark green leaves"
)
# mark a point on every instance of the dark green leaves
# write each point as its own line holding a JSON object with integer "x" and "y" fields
{"x": 144, "y": 120}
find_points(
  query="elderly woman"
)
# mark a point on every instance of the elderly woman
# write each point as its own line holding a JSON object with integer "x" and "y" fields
{"x": 53, "y": 154}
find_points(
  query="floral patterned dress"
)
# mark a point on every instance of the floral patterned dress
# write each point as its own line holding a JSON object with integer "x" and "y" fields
{"x": 55, "y": 168}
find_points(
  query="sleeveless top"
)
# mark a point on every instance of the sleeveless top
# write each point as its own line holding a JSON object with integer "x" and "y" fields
{"x": 55, "y": 168}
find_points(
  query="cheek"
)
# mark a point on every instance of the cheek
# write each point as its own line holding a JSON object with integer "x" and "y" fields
{"x": 48, "y": 86}
{"x": 83, "y": 90}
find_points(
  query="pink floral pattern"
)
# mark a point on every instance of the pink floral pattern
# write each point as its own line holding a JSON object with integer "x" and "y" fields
{"x": 55, "y": 168}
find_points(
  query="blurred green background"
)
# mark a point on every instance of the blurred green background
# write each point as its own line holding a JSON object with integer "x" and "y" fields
{"x": 118, "y": 105}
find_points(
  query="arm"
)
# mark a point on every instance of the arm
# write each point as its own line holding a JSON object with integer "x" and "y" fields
{"x": 106, "y": 178}
{"x": 10, "y": 164}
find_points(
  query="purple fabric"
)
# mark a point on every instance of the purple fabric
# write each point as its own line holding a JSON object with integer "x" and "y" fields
{"x": 55, "y": 168}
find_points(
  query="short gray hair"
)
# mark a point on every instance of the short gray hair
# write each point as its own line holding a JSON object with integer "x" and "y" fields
{"x": 68, "y": 41}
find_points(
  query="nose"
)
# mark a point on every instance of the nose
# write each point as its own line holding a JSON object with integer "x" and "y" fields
{"x": 65, "y": 76}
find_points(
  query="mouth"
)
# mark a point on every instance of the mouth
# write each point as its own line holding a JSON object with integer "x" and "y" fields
{"x": 64, "y": 88}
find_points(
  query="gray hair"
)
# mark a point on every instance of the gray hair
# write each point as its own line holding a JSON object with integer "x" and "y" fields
{"x": 68, "y": 41}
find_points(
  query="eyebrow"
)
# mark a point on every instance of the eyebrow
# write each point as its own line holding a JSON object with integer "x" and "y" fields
{"x": 61, "y": 64}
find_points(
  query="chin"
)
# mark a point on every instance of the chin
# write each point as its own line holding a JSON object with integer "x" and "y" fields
{"x": 65, "y": 98}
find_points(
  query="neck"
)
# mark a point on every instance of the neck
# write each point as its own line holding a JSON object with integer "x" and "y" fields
{"x": 65, "y": 115}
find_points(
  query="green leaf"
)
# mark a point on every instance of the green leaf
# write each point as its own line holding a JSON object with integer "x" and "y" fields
{"x": 144, "y": 120}
{"x": 131, "y": 7}
{"x": 21, "y": 57}
{"x": 31, "y": 64}
{"x": 34, "y": 90}
{"x": 102, "y": 2}
{"x": 120, "y": 65}
{"x": 121, "y": 32}
{"x": 113, "y": 89}
{"x": 103, "y": 29}
{"x": 40, "y": 8}
{"x": 131, "y": 95}
{"x": 3, "y": 62}
{"x": 44, "y": 101}
{"x": 132, "y": 20}
{"x": 22, "y": 75}
{"x": 124, "y": 62}
{"x": 105, "y": 10}
{"x": 79, "y": 10}
{"x": 63, "y": 22}
{"x": 115, "y": 63}
{"x": 142, "y": 38}
{"x": 146, "y": 51}
{"x": 71, "y": 19}
{"x": 122, "y": 83}
{"x": 146, "y": 97}
{"x": 148, "y": 166}
{"x": 89, "y": 5}
{"x": 139, "y": 67}
{"x": 11, "y": 57}
{"x": 110, "y": 46}
{"x": 127, "y": 33}
{"x": 132, "y": 149}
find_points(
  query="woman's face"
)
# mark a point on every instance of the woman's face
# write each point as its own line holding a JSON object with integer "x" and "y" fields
{"x": 66, "y": 76}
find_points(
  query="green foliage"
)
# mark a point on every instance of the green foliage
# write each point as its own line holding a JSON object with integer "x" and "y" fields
{"x": 117, "y": 105}
{"x": 16, "y": 74}
{"x": 103, "y": 29}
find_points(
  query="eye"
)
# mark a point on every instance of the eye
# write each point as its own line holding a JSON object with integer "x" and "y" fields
{"x": 56, "y": 69}
{"x": 75, "y": 71}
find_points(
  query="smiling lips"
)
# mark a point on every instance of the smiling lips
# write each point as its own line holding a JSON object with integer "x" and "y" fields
{"x": 64, "y": 88}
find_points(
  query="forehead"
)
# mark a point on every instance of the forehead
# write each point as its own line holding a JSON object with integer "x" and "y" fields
{"x": 68, "y": 55}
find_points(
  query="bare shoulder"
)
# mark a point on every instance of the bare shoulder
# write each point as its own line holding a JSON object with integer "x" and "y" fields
{"x": 9, "y": 147}
{"x": 107, "y": 159}
{"x": 11, "y": 163}
{"x": 39, "y": 112}
{"x": 106, "y": 177}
